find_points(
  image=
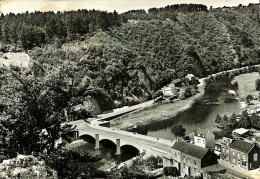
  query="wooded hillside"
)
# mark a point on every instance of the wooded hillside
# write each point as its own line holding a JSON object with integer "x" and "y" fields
{"x": 125, "y": 58}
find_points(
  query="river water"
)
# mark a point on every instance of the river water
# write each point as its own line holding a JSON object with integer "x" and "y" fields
{"x": 216, "y": 100}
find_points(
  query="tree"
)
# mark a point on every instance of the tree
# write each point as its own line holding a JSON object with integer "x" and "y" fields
{"x": 218, "y": 119}
{"x": 178, "y": 131}
{"x": 254, "y": 120}
{"x": 172, "y": 171}
{"x": 221, "y": 134}
{"x": 249, "y": 98}
{"x": 244, "y": 120}
{"x": 33, "y": 113}
{"x": 231, "y": 124}
{"x": 223, "y": 121}
{"x": 257, "y": 84}
{"x": 35, "y": 108}
{"x": 187, "y": 92}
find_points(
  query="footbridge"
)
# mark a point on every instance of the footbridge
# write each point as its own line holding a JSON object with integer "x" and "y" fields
{"x": 120, "y": 138}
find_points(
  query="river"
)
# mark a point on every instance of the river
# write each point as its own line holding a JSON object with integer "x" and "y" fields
{"x": 216, "y": 100}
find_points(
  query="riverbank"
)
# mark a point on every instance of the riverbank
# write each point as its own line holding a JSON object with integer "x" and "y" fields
{"x": 160, "y": 112}
{"x": 157, "y": 111}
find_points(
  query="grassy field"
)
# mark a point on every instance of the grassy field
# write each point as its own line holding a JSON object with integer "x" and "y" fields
{"x": 246, "y": 84}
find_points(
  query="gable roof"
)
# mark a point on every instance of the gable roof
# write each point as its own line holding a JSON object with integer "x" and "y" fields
{"x": 190, "y": 149}
{"x": 242, "y": 146}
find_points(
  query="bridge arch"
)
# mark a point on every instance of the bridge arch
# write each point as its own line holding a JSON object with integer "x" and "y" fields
{"x": 107, "y": 143}
{"x": 88, "y": 138}
{"x": 128, "y": 151}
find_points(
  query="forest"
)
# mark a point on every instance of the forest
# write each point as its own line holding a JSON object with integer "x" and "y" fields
{"x": 125, "y": 58}
{"x": 104, "y": 60}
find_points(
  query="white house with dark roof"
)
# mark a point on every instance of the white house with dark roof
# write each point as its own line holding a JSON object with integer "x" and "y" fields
{"x": 204, "y": 138}
{"x": 190, "y": 159}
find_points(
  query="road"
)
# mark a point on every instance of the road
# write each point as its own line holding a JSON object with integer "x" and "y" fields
{"x": 146, "y": 141}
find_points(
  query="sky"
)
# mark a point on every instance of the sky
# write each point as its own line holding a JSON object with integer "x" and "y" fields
{"x": 18, "y": 6}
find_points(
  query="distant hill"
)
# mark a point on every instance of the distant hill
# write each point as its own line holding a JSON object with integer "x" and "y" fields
{"x": 127, "y": 57}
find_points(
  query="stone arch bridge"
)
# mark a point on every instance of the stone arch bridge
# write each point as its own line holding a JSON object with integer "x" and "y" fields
{"x": 120, "y": 138}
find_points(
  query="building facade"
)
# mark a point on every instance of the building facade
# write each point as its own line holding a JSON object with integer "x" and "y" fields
{"x": 204, "y": 139}
{"x": 190, "y": 159}
{"x": 241, "y": 153}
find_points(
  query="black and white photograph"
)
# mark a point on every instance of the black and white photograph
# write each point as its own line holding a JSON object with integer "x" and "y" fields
{"x": 129, "y": 89}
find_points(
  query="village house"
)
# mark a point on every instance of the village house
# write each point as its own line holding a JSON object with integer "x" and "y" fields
{"x": 190, "y": 159}
{"x": 241, "y": 153}
{"x": 222, "y": 148}
{"x": 169, "y": 91}
{"x": 204, "y": 138}
{"x": 191, "y": 79}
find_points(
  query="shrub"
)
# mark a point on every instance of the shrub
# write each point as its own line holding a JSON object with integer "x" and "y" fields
{"x": 172, "y": 171}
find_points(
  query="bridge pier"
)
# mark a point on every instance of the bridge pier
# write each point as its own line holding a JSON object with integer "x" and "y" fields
{"x": 118, "y": 149}
{"x": 97, "y": 141}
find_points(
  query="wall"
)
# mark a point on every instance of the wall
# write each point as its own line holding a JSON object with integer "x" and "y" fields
{"x": 251, "y": 158}
{"x": 233, "y": 159}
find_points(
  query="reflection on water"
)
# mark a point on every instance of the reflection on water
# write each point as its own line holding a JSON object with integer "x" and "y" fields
{"x": 201, "y": 115}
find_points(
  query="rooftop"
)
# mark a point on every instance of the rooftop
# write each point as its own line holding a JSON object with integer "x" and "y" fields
{"x": 190, "y": 149}
{"x": 242, "y": 146}
{"x": 240, "y": 131}
{"x": 199, "y": 134}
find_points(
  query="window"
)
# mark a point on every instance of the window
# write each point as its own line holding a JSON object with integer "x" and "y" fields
{"x": 244, "y": 163}
{"x": 175, "y": 154}
{"x": 244, "y": 156}
{"x": 203, "y": 141}
{"x": 195, "y": 163}
{"x": 198, "y": 140}
{"x": 255, "y": 157}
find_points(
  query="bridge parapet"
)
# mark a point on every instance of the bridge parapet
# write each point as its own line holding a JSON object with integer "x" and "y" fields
{"x": 151, "y": 145}
{"x": 154, "y": 139}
